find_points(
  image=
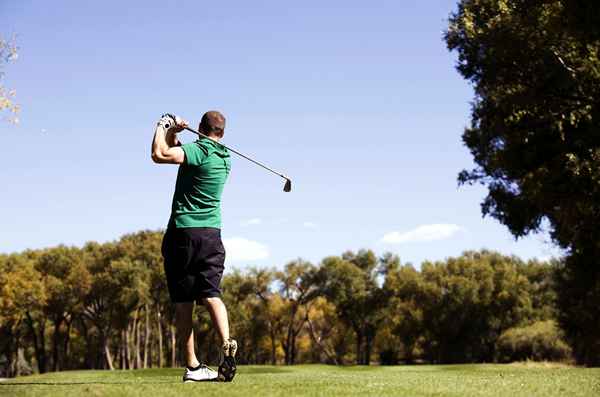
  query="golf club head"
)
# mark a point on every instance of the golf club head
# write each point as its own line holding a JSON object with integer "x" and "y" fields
{"x": 288, "y": 185}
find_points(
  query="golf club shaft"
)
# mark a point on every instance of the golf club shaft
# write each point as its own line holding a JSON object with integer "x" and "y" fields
{"x": 238, "y": 153}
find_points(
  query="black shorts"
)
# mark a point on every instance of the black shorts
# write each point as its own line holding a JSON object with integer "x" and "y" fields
{"x": 193, "y": 260}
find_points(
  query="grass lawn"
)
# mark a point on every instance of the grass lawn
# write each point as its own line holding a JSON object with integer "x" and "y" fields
{"x": 319, "y": 380}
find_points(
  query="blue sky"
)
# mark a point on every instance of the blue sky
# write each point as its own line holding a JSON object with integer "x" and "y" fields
{"x": 358, "y": 102}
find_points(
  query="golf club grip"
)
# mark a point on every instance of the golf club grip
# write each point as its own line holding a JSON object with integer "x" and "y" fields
{"x": 238, "y": 153}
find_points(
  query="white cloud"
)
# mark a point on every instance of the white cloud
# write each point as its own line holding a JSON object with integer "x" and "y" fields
{"x": 253, "y": 221}
{"x": 241, "y": 249}
{"x": 422, "y": 233}
{"x": 309, "y": 225}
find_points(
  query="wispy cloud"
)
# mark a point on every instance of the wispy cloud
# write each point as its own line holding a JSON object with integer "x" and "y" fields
{"x": 241, "y": 249}
{"x": 253, "y": 221}
{"x": 440, "y": 231}
{"x": 310, "y": 225}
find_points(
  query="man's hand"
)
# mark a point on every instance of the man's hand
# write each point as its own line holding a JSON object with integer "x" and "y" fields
{"x": 180, "y": 124}
{"x": 165, "y": 146}
{"x": 173, "y": 123}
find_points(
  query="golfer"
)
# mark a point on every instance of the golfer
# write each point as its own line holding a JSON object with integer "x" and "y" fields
{"x": 192, "y": 248}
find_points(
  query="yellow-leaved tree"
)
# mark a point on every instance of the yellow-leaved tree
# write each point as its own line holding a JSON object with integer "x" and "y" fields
{"x": 8, "y": 53}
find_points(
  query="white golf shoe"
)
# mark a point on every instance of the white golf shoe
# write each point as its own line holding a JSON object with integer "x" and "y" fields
{"x": 199, "y": 374}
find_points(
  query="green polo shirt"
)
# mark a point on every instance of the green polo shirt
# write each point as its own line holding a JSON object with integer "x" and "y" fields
{"x": 200, "y": 181}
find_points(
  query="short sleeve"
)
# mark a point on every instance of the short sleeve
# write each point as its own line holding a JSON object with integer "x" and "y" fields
{"x": 194, "y": 153}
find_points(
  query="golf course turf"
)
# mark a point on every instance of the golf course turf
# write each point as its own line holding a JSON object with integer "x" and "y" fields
{"x": 320, "y": 380}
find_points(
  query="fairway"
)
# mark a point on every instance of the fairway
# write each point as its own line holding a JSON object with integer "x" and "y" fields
{"x": 320, "y": 380}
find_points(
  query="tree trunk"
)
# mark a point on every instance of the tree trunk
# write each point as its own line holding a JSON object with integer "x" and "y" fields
{"x": 133, "y": 340}
{"x": 10, "y": 369}
{"x": 293, "y": 350}
{"x": 66, "y": 362}
{"x": 318, "y": 342}
{"x": 126, "y": 348}
{"x": 150, "y": 350}
{"x": 368, "y": 348}
{"x": 273, "y": 349}
{"x": 107, "y": 356}
{"x": 160, "y": 339}
{"x": 359, "y": 341}
{"x": 146, "y": 335}
{"x": 173, "y": 346}
{"x": 55, "y": 344}
{"x": 16, "y": 370}
{"x": 20, "y": 357}
{"x": 122, "y": 351}
{"x": 88, "y": 343}
{"x": 39, "y": 344}
{"x": 138, "y": 358}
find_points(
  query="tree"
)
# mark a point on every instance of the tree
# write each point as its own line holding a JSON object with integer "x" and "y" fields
{"x": 328, "y": 339}
{"x": 22, "y": 297}
{"x": 541, "y": 276}
{"x": 8, "y": 53}
{"x": 144, "y": 249}
{"x": 535, "y": 134}
{"x": 249, "y": 322}
{"x": 350, "y": 283}
{"x": 297, "y": 288}
{"x": 467, "y": 302}
{"x": 119, "y": 286}
{"x": 403, "y": 287}
{"x": 271, "y": 305}
{"x": 67, "y": 282}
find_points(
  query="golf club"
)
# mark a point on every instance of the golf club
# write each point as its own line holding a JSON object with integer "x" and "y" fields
{"x": 288, "y": 182}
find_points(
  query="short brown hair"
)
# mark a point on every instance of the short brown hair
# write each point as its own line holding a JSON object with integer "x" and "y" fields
{"x": 213, "y": 123}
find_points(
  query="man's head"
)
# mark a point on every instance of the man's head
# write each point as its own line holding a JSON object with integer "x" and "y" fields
{"x": 212, "y": 124}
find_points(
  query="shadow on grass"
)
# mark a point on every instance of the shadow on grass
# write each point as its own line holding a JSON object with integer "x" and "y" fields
{"x": 92, "y": 382}
{"x": 139, "y": 374}
{"x": 263, "y": 370}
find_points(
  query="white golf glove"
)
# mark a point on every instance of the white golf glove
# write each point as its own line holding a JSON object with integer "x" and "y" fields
{"x": 167, "y": 121}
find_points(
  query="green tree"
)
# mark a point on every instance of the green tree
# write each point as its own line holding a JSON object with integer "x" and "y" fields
{"x": 22, "y": 297}
{"x": 468, "y": 302}
{"x": 350, "y": 282}
{"x": 403, "y": 286}
{"x": 271, "y": 305}
{"x": 249, "y": 323}
{"x": 329, "y": 340}
{"x": 297, "y": 288}
{"x": 119, "y": 285}
{"x": 534, "y": 135}
{"x": 144, "y": 249}
{"x": 541, "y": 276}
{"x": 578, "y": 296}
{"x": 67, "y": 282}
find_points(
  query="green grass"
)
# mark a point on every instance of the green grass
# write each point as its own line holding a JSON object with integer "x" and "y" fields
{"x": 319, "y": 380}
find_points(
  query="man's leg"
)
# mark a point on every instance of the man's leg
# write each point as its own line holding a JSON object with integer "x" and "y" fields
{"x": 185, "y": 332}
{"x": 218, "y": 314}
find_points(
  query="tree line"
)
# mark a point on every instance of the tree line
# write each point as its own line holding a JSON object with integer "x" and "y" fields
{"x": 107, "y": 306}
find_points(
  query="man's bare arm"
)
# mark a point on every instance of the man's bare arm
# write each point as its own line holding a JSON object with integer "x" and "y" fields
{"x": 165, "y": 145}
{"x": 171, "y": 138}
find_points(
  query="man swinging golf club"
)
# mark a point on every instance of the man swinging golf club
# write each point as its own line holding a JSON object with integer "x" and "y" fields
{"x": 192, "y": 249}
